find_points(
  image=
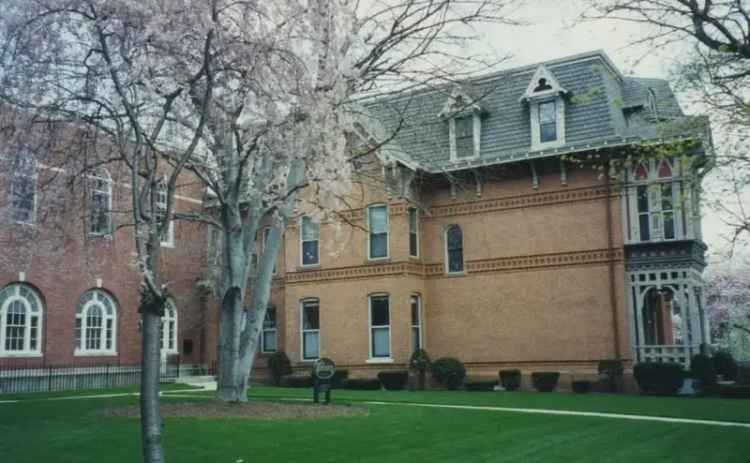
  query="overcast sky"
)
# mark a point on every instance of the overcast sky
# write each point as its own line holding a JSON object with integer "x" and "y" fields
{"x": 553, "y": 33}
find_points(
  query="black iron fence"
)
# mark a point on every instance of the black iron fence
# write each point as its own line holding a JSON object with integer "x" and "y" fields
{"x": 18, "y": 377}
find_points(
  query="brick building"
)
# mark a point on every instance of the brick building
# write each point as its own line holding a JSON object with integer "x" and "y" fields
{"x": 484, "y": 239}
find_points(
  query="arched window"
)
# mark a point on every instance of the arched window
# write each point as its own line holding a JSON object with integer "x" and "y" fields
{"x": 655, "y": 198}
{"x": 96, "y": 324}
{"x": 100, "y": 203}
{"x": 665, "y": 169}
{"x": 454, "y": 249}
{"x": 169, "y": 328}
{"x": 23, "y": 197}
{"x": 21, "y": 313}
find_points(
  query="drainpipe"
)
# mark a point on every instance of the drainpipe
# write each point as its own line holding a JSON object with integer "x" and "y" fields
{"x": 611, "y": 260}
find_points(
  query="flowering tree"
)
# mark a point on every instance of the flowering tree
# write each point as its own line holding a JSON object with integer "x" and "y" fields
{"x": 728, "y": 303}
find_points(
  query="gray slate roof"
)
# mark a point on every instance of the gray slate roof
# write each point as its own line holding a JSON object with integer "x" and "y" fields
{"x": 603, "y": 108}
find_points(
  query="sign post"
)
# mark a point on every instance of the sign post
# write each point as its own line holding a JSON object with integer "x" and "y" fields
{"x": 323, "y": 371}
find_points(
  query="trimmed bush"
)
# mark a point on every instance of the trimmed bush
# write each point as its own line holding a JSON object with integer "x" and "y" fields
{"x": 659, "y": 378}
{"x": 702, "y": 369}
{"x": 420, "y": 363}
{"x": 510, "y": 379}
{"x": 545, "y": 381}
{"x": 449, "y": 372}
{"x": 480, "y": 385}
{"x": 279, "y": 365}
{"x": 725, "y": 365}
{"x": 296, "y": 381}
{"x": 366, "y": 384}
{"x": 734, "y": 391}
{"x": 582, "y": 387}
{"x": 611, "y": 372}
{"x": 393, "y": 380}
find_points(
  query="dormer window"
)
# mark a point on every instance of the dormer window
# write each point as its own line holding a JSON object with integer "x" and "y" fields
{"x": 544, "y": 95}
{"x": 464, "y": 117}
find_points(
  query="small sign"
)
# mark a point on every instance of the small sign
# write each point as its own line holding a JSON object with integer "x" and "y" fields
{"x": 324, "y": 368}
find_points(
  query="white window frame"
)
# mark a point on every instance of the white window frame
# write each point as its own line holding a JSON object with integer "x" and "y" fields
{"x": 447, "y": 254}
{"x": 303, "y": 331}
{"x": 536, "y": 130}
{"x": 414, "y": 232}
{"x": 170, "y": 317}
{"x": 372, "y": 328}
{"x": 418, "y": 326}
{"x": 101, "y": 177}
{"x": 273, "y": 331}
{"x": 653, "y": 184}
{"x": 24, "y": 168}
{"x": 387, "y": 232}
{"x": 29, "y": 298}
{"x": 476, "y": 136}
{"x": 98, "y": 298}
{"x": 161, "y": 205}
{"x": 302, "y": 241}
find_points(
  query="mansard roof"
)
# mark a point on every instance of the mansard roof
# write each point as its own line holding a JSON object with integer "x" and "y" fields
{"x": 603, "y": 108}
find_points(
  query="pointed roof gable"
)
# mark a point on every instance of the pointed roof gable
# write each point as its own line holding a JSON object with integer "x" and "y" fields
{"x": 542, "y": 85}
{"x": 459, "y": 103}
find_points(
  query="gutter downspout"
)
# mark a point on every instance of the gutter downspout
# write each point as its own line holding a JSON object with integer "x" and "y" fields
{"x": 611, "y": 261}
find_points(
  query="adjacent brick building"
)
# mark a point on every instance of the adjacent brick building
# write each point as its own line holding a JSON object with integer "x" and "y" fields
{"x": 489, "y": 240}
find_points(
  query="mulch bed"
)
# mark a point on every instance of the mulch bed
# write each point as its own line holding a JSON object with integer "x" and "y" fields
{"x": 252, "y": 410}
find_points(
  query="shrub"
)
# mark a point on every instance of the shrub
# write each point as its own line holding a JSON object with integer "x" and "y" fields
{"x": 725, "y": 365}
{"x": 582, "y": 387}
{"x": 659, "y": 378}
{"x": 545, "y": 381}
{"x": 510, "y": 379}
{"x": 393, "y": 380}
{"x": 420, "y": 363}
{"x": 279, "y": 365}
{"x": 611, "y": 372}
{"x": 449, "y": 372}
{"x": 367, "y": 384}
{"x": 702, "y": 369}
{"x": 338, "y": 378}
{"x": 296, "y": 381}
{"x": 480, "y": 385}
{"x": 734, "y": 391}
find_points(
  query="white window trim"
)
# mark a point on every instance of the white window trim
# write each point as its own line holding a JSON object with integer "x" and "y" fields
{"x": 302, "y": 330}
{"x": 26, "y": 352}
{"x": 476, "y": 137}
{"x": 302, "y": 242}
{"x": 652, "y": 181}
{"x": 165, "y": 329}
{"x": 536, "y": 132}
{"x": 103, "y": 351}
{"x": 264, "y": 331}
{"x": 169, "y": 242}
{"x": 416, "y": 231}
{"x": 387, "y": 232}
{"x": 421, "y": 319}
{"x": 34, "y": 177}
{"x": 372, "y": 358}
{"x": 446, "y": 254}
{"x": 107, "y": 179}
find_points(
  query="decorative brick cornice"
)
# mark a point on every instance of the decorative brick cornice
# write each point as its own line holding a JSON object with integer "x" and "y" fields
{"x": 521, "y": 201}
{"x": 433, "y": 270}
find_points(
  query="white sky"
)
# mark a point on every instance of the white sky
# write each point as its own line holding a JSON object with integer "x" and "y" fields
{"x": 552, "y": 34}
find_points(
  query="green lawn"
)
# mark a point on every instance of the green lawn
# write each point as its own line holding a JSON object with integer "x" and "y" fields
{"x": 74, "y": 431}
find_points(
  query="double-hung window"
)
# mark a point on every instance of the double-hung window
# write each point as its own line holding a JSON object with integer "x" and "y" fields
{"x": 268, "y": 342}
{"x": 655, "y": 200}
{"x": 416, "y": 322}
{"x": 454, "y": 249}
{"x": 310, "y": 329}
{"x": 309, "y": 240}
{"x": 96, "y": 324}
{"x": 547, "y": 121}
{"x": 377, "y": 221}
{"x": 21, "y": 313}
{"x": 380, "y": 327}
{"x": 23, "y": 195}
{"x": 167, "y": 235}
{"x": 413, "y": 232}
{"x": 100, "y": 197}
{"x": 168, "y": 336}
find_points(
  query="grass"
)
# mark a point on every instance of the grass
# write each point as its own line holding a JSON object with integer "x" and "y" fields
{"x": 75, "y": 431}
{"x": 85, "y": 392}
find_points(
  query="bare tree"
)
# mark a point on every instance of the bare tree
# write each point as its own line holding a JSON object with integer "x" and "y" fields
{"x": 90, "y": 65}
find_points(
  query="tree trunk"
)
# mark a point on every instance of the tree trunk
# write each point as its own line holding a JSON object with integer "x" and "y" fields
{"x": 228, "y": 389}
{"x": 151, "y": 422}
